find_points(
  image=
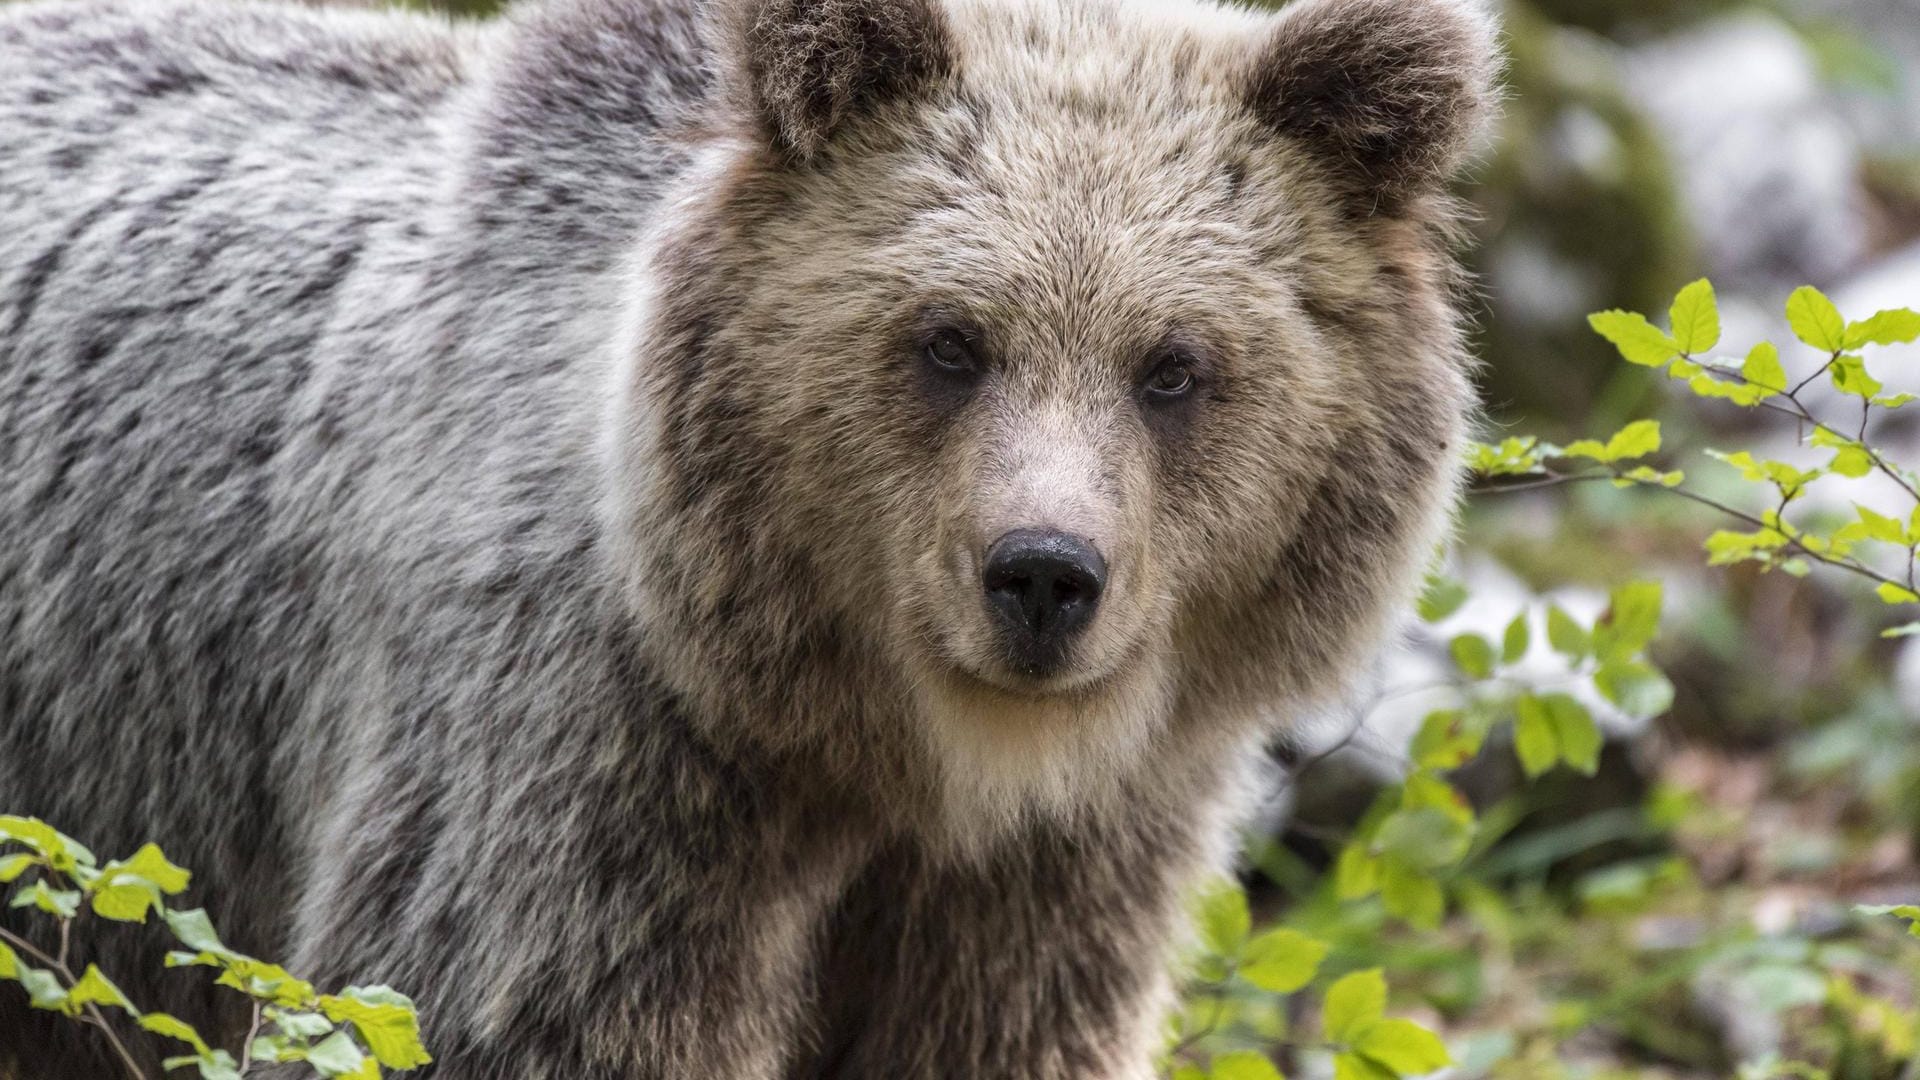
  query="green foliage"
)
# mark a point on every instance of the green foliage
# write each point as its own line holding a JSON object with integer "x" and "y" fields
{"x": 352, "y": 1034}
{"x": 1406, "y": 850}
{"x": 1423, "y": 850}
{"x": 1769, "y": 537}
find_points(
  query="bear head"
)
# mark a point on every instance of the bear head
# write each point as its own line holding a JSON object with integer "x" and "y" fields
{"x": 1020, "y": 394}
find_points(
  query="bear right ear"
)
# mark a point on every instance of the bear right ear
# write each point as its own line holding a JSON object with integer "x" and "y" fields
{"x": 1391, "y": 93}
{"x": 805, "y": 67}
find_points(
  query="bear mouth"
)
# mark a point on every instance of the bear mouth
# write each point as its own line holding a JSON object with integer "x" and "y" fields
{"x": 1071, "y": 679}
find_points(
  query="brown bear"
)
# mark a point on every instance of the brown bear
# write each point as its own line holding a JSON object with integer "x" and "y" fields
{"x": 754, "y": 541}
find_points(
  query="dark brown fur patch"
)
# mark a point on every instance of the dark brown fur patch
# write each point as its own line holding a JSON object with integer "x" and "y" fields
{"x": 1389, "y": 92}
{"x": 814, "y": 64}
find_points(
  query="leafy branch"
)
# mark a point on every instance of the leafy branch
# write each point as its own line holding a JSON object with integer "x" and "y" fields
{"x": 1759, "y": 380}
{"x": 350, "y": 1034}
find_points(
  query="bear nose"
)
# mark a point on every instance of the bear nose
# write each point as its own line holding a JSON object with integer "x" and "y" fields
{"x": 1044, "y": 586}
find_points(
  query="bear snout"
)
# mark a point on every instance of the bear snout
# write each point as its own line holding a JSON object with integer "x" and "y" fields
{"x": 1043, "y": 587}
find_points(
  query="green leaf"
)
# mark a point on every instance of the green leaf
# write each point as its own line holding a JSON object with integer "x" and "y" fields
{"x": 1282, "y": 961}
{"x": 1852, "y": 461}
{"x": 37, "y": 835}
{"x": 1574, "y": 731}
{"x": 64, "y": 903}
{"x": 1850, "y": 377}
{"x": 1696, "y": 318}
{"x": 1243, "y": 1065}
{"x": 195, "y": 931}
{"x": 1446, "y": 740}
{"x": 1222, "y": 916}
{"x": 1424, "y": 837}
{"x": 174, "y": 1028}
{"x": 1514, "y": 643}
{"x": 1911, "y": 629}
{"x": 1637, "y": 688}
{"x": 1639, "y": 341}
{"x": 218, "y": 1065}
{"x": 1512, "y": 456}
{"x": 1762, "y": 369}
{"x": 1356, "y": 873}
{"x": 1896, "y": 594}
{"x": 1425, "y": 790}
{"x": 1725, "y": 548}
{"x": 1631, "y": 620}
{"x": 12, "y": 866}
{"x": 1442, "y": 597}
{"x": 1410, "y": 894}
{"x": 1782, "y": 475}
{"x": 95, "y": 988}
{"x": 385, "y": 1021}
{"x": 149, "y": 864}
{"x": 1473, "y": 654}
{"x": 1879, "y": 526}
{"x": 1351, "y": 1066}
{"x": 1566, "y": 635}
{"x": 1534, "y": 740}
{"x": 45, "y": 992}
{"x": 335, "y": 1055}
{"x": 303, "y": 1025}
{"x": 276, "y": 1048}
{"x": 126, "y": 899}
{"x": 1402, "y": 1046}
{"x": 267, "y": 982}
{"x": 1638, "y": 439}
{"x": 9, "y": 962}
{"x": 1353, "y": 1002}
{"x": 1899, "y": 326}
{"x": 1909, "y": 912}
{"x": 1646, "y": 474}
{"x": 1815, "y": 320}
{"x": 187, "y": 959}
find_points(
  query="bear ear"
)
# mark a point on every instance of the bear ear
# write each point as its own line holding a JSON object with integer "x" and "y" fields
{"x": 1391, "y": 92}
{"x": 804, "y": 67}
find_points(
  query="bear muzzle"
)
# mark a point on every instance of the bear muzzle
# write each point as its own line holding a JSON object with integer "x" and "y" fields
{"x": 1043, "y": 587}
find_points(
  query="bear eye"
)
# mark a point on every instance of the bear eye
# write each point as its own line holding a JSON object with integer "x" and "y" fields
{"x": 1171, "y": 379}
{"x": 950, "y": 351}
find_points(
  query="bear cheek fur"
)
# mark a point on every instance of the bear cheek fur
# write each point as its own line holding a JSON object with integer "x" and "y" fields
{"x": 722, "y": 523}
{"x": 1312, "y": 611}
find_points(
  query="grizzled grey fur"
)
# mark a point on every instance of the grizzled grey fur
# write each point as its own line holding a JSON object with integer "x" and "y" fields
{"x": 480, "y": 497}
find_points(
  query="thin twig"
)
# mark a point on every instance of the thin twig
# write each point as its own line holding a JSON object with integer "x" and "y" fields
{"x": 126, "y": 1058}
{"x": 93, "y": 1011}
{"x": 1800, "y": 412}
{"x": 29, "y": 948}
{"x": 1553, "y": 479}
{"x": 1213, "y": 1022}
{"x": 246, "y": 1048}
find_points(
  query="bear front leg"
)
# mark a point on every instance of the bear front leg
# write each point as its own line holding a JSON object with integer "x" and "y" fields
{"x": 1048, "y": 959}
{"x": 644, "y": 914}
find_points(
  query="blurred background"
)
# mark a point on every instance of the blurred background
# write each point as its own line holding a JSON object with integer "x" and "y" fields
{"x": 1686, "y": 911}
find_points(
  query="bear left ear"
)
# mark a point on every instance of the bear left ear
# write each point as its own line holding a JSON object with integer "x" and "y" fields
{"x": 1391, "y": 92}
{"x": 805, "y": 67}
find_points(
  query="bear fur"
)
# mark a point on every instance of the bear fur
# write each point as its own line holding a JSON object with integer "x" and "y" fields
{"x": 477, "y": 494}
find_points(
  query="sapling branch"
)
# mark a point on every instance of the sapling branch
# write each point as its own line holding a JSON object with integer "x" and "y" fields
{"x": 60, "y": 969}
{"x": 1552, "y": 478}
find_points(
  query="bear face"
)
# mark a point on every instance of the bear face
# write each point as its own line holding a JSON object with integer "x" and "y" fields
{"x": 1075, "y": 380}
